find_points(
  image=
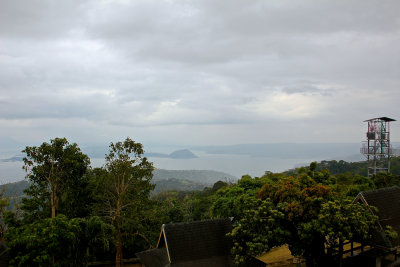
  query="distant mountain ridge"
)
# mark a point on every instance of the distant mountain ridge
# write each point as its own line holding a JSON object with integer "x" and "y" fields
{"x": 12, "y": 159}
{"x": 178, "y": 154}
{"x": 286, "y": 150}
{"x": 184, "y": 180}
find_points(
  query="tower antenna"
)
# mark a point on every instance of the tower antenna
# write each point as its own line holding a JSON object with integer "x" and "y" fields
{"x": 377, "y": 147}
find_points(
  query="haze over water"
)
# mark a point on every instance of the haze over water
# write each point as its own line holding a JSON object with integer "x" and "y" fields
{"x": 233, "y": 164}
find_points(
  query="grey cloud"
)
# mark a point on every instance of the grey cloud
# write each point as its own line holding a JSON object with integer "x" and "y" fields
{"x": 224, "y": 64}
{"x": 309, "y": 89}
{"x": 307, "y": 16}
{"x": 38, "y": 19}
{"x": 41, "y": 107}
{"x": 227, "y": 31}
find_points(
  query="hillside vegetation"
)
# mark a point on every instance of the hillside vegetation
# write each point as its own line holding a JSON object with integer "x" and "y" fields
{"x": 360, "y": 168}
{"x": 182, "y": 180}
{"x": 199, "y": 176}
{"x": 72, "y": 214}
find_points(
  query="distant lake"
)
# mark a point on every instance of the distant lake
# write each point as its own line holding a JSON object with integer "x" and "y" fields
{"x": 11, "y": 172}
{"x": 236, "y": 165}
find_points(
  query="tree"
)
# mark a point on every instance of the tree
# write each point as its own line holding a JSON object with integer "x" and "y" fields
{"x": 56, "y": 171}
{"x": 234, "y": 200}
{"x": 300, "y": 199}
{"x": 46, "y": 242}
{"x": 56, "y": 241}
{"x": 4, "y": 203}
{"x": 344, "y": 220}
{"x": 125, "y": 186}
{"x": 259, "y": 229}
{"x": 382, "y": 180}
{"x": 304, "y": 212}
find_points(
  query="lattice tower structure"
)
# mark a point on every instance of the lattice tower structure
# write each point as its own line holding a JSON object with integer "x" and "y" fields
{"x": 377, "y": 147}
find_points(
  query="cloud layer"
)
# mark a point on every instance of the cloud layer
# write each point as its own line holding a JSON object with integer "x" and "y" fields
{"x": 198, "y": 72}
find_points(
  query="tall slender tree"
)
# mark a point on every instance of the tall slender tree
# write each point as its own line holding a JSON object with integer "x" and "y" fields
{"x": 126, "y": 186}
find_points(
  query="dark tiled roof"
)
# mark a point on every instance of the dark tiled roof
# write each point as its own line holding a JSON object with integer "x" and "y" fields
{"x": 381, "y": 118}
{"x": 153, "y": 257}
{"x": 387, "y": 200}
{"x": 195, "y": 244}
{"x": 197, "y": 240}
{"x": 218, "y": 261}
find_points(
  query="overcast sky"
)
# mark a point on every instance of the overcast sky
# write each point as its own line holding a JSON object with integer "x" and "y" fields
{"x": 197, "y": 72}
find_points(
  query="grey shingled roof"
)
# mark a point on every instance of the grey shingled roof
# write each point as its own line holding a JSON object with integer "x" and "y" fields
{"x": 381, "y": 118}
{"x": 197, "y": 244}
{"x": 154, "y": 257}
{"x": 387, "y": 200}
{"x": 197, "y": 240}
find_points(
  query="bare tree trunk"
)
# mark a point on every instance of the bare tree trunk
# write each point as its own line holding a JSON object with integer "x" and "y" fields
{"x": 340, "y": 252}
{"x": 53, "y": 209}
{"x": 118, "y": 256}
{"x": 53, "y": 201}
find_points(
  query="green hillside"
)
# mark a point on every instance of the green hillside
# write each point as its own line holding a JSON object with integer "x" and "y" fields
{"x": 182, "y": 180}
{"x": 178, "y": 185}
{"x": 14, "y": 189}
{"x": 198, "y": 176}
{"x": 360, "y": 168}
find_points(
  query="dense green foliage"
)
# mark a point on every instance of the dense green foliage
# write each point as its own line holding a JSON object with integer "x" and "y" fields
{"x": 56, "y": 241}
{"x": 306, "y": 210}
{"x": 360, "y": 168}
{"x": 56, "y": 171}
{"x": 72, "y": 214}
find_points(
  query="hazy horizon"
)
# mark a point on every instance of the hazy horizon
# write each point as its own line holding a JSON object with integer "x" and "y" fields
{"x": 236, "y": 160}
